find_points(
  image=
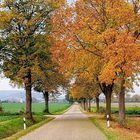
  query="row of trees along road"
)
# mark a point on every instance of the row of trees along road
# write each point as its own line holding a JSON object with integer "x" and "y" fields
{"x": 97, "y": 43}
{"x": 25, "y": 42}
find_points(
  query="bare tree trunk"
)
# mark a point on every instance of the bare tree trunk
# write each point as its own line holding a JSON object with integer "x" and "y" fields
{"x": 80, "y": 104}
{"x": 84, "y": 102}
{"x": 107, "y": 90}
{"x": 89, "y": 106}
{"x": 108, "y": 104}
{"x": 28, "y": 88}
{"x": 46, "y": 98}
{"x": 97, "y": 103}
{"x": 122, "y": 116}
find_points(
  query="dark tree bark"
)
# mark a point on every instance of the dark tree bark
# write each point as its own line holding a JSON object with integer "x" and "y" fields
{"x": 84, "y": 102}
{"x": 97, "y": 103}
{"x": 89, "y": 105}
{"x": 28, "y": 88}
{"x": 107, "y": 90}
{"x": 81, "y": 104}
{"x": 108, "y": 104}
{"x": 122, "y": 117}
{"x": 46, "y": 98}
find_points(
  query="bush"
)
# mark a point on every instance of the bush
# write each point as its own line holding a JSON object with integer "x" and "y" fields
{"x": 133, "y": 112}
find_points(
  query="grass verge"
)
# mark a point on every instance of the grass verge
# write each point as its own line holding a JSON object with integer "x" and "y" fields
{"x": 115, "y": 132}
{"x": 29, "y": 129}
{"x": 62, "y": 111}
{"x": 7, "y": 118}
{"x": 13, "y": 124}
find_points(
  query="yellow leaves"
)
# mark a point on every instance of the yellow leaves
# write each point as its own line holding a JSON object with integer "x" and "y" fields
{"x": 105, "y": 29}
{"x": 5, "y": 18}
{"x": 56, "y": 3}
{"x": 84, "y": 88}
{"x": 137, "y": 54}
{"x": 120, "y": 57}
{"x": 107, "y": 74}
{"x": 119, "y": 12}
{"x": 128, "y": 84}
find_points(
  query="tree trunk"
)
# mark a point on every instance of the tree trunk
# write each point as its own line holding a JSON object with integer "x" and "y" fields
{"x": 46, "y": 98}
{"x": 86, "y": 105}
{"x": 89, "y": 106}
{"x": 84, "y": 102}
{"x": 108, "y": 104}
{"x": 28, "y": 88}
{"x": 122, "y": 117}
{"x": 81, "y": 104}
{"x": 107, "y": 90}
{"x": 97, "y": 103}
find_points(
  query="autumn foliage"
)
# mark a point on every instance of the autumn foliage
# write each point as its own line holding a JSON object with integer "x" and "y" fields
{"x": 94, "y": 42}
{"x": 99, "y": 40}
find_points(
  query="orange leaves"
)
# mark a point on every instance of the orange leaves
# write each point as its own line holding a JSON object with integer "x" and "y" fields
{"x": 97, "y": 40}
{"x": 119, "y": 12}
{"x": 5, "y": 18}
{"x": 107, "y": 73}
{"x": 84, "y": 88}
{"x": 120, "y": 57}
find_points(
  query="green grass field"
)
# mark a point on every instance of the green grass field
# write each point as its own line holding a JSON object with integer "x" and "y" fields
{"x": 131, "y": 108}
{"x": 37, "y": 107}
{"x": 10, "y": 123}
{"x": 5, "y": 118}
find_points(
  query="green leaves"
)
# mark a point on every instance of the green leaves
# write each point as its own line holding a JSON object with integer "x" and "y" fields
{"x": 25, "y": 37}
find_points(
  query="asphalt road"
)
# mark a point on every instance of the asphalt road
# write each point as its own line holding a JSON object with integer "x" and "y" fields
{"x": 72, "y": 125}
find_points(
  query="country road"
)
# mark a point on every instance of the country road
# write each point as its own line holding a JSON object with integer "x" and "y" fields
{"x": 72, "y": 125}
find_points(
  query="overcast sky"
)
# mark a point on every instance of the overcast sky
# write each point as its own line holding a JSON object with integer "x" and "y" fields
{"x": 5, "y": 85}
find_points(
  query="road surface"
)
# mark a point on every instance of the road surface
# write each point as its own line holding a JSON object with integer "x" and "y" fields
{"x": 72, "y": 125}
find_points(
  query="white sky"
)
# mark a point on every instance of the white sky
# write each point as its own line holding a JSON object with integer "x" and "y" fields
{"x": 71, "y": 1}
{"x": 5, "y": 85}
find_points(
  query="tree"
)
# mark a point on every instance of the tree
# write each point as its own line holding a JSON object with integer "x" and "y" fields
{"x": 123, "y": 63}
{"x": 24, "y": 35}
{"x": 96, "y": 36}
{"x": 97, "y": 102}
{"x": 48, "y": 81}
{"x": 69, "y": 98}
{"x": 84, "y": 90}
{"x": 85, "y": 43}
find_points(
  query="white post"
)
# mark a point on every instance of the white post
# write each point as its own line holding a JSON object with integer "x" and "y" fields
{"x": 108, "y": 122}
{"x": 24, "y": 123}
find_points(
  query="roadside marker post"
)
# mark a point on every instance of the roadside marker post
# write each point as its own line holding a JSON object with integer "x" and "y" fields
{"x": 108, "y": 121}
{"x": 24, "y": 123}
